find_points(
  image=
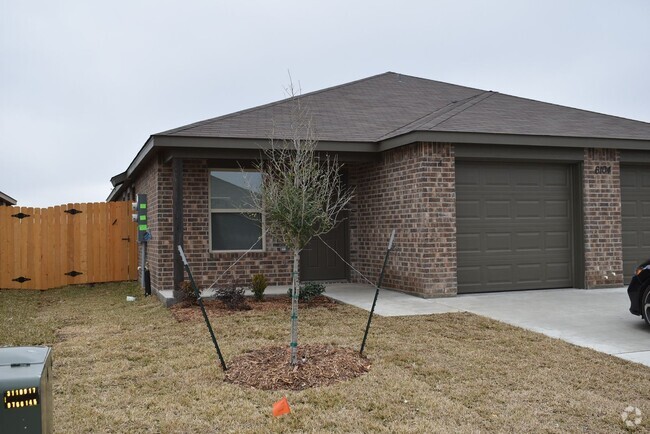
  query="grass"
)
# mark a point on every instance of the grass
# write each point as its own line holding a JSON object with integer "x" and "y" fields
{"x": 131, "y": 367}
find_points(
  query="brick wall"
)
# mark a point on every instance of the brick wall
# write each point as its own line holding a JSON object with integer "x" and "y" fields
{"x": 412, "y": 189}
{"x": 146, "y": 183}
{"x": 206, "y": 266}
{"x": 602, "y": 219}
{"x": 155, "y": 182}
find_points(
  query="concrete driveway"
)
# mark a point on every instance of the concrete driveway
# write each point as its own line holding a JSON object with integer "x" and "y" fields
{"x": 595, "y": 318}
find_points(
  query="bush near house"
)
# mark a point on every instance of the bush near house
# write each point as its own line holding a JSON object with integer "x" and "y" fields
{"x": 232, "y": 295}
{"x": 259, "y": 282}
{"x": 308, "y": 291}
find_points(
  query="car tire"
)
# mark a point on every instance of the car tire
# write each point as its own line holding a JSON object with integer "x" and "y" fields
{"x": 645, "y": 305}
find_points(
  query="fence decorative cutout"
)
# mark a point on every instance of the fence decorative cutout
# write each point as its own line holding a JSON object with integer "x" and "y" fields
{"x": 21, "y": 279}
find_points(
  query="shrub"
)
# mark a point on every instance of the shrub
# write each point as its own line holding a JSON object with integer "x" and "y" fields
{"x": 232, "y": 296}
{"x": 258, "y": 284}
{"x": 308, "y": 291}
{"x": 187, "y": 293}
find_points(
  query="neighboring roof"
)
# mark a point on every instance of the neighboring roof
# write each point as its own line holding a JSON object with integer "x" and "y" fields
{"x": 6, "y": 199}
{"x": 390, "y": 109}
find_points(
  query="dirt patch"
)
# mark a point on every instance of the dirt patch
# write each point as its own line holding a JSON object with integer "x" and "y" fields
{"x": 188, "y": 312}
{"x": 269, "y": 368}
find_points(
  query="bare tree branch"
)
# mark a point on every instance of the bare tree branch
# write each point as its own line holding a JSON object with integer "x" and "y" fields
{"x": 302, "y": 193}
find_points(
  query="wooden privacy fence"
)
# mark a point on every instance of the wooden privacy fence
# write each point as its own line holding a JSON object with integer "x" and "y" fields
{"x": 42, "y": 248}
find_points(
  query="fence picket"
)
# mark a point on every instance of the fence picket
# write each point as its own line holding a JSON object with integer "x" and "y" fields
{"x": 5, "y": 251}
{"x": 59, "y": 248}
{"x": 90, "y": 239}
{"x": 15, "y": 272}
{"x": 101, "y": 233}
{"x": 35, "y": 250}
{"x": 46, "y": 249}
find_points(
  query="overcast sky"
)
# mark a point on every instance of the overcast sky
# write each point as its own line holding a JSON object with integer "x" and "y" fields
{"x": 83, "y": 84}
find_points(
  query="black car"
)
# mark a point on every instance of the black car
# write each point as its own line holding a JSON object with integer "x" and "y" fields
{"x": 639, "y": 292}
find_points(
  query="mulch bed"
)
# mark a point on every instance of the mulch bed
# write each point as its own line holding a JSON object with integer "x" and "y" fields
{"x": 269, "y": 368}
{"x": 188, "y": 312}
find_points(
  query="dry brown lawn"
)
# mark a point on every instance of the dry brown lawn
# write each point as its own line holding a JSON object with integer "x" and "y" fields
{"x": 132, "y": 367}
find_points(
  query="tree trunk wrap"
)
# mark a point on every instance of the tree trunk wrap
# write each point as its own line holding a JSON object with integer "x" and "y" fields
{"x": 294, "y": 308}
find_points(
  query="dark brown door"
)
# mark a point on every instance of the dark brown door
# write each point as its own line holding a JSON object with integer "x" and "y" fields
{"x": 514, "y": 226}
{"x": 319, "y": 262}
{"x": 635, "y": 210}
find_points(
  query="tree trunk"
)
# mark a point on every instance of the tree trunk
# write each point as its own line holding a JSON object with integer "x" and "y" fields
{"x": 294, "y": 308}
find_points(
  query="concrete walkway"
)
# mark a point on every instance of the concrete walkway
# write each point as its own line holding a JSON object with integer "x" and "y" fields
{"x": 597, "y": 318}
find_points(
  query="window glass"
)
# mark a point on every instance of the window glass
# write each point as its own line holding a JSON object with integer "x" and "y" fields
{"x": 236, "y": 231}
{"x": 232, "y": 189}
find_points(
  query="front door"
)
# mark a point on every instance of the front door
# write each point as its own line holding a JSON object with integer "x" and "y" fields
{"x": 319, "y": 262}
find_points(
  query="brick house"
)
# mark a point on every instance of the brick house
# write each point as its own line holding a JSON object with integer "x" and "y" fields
{"x": 487, "y": 191}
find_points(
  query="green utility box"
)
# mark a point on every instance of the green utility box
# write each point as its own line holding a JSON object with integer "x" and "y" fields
{"x": 25, "y": 384}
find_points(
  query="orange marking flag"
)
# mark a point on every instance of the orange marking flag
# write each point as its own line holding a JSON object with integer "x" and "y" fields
{"x": 281, "y": 407}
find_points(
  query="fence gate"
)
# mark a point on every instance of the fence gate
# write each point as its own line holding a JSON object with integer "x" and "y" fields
{"x": 42, "y": 248}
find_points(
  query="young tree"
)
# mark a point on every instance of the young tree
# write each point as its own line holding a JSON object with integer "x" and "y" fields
{"x": 301, "y": 195}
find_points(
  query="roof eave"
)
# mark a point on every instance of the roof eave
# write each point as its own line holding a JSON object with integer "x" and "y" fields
{"x": 255, "y": 143}
{"x": 117, "y": 190}
{"x": 122, "y": 180}
{"x": 512, "y": 139}
{"x": 160, "y": 141}
{"x": 8, "y": 198}
{"x": 118, "y": 179}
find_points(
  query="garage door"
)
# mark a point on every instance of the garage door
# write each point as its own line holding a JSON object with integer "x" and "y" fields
{"x": 514, "y": 226}
{"x": 635, "y": 210}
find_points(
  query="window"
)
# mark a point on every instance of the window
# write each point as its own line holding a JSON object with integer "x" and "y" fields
{"x": 235, "y": 223}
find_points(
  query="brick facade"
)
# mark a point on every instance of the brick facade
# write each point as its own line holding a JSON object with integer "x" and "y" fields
{"x": 156, "y": 183}
{"x": 412, "y": 190}
{"x": 206, "y": 266}
{"x": 603, "y": 244}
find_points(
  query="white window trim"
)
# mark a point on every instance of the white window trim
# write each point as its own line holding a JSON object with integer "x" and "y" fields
{"x": 231, "y": 211}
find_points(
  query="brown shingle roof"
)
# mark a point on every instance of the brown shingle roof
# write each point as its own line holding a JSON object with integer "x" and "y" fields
{"x": 388, "y": 110}
{"x": 390, "y": 104}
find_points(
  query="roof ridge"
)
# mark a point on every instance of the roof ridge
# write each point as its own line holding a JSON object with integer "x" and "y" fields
{"x": 415, "y": 121}
{"x": 477, "y": 99}
{"x": 460, "y": 105}
{"x": 271, "y": 104}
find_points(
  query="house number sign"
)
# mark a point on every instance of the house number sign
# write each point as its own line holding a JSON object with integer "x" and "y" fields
{"x": 603, "y": 170}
